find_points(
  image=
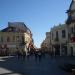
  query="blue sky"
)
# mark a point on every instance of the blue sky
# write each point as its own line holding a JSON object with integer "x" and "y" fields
{"x": 38, "y": 15}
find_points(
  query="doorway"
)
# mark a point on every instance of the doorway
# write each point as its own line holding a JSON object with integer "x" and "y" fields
{"x": 71, "y": 51}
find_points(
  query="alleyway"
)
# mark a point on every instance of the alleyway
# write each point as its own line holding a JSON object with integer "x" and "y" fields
{"x": 30, "y": 66}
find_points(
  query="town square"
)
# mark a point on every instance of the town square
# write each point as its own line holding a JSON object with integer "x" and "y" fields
{"x": 27, "y": 47}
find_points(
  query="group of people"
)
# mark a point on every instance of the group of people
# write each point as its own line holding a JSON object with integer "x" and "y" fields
{"x": 37, "y": 54}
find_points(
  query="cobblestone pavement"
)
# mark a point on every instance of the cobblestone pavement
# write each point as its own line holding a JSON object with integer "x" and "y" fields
{"x": 46, "y": 65}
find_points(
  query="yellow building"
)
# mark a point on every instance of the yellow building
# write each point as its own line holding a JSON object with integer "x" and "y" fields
{"x": 15, "y": 37}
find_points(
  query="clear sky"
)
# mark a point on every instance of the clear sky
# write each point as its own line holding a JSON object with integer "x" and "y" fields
{"x": 38, "y": 15}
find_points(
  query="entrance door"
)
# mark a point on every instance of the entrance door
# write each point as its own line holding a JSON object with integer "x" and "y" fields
{"x": 71, "y": 51}
{"x": 57, "y": 50}
{"x": 65, "y": 50}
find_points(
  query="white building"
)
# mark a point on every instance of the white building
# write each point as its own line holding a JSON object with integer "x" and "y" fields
{"x": 47, "y": 42}
{"x": 16, "y": 37}
{"x": 62, "y": 37}
{"x": 59, "y": 39}
{"x": 71, "y": 28}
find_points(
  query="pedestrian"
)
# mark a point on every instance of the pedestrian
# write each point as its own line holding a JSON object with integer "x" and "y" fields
{"x": 43, "y": 54}
{"x": 35, "y": 53}
{"x": 28, "y": 56}
{"x": 18, "y": 54}
{"x": 23, "y": 54}
{"x": 39, "y": 55}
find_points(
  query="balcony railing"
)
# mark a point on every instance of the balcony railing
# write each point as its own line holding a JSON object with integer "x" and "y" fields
{"x": 73, "y": 39}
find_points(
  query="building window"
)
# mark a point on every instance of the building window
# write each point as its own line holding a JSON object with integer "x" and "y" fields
{"x": 13, "y": 38}
{"x": 1, "y": 39}
{"x": 57, "y": 37}
{"x": 56, "y": 34}
{"x": 63, "y": 34}
{"x": 71, "y": 51}
{"x": 8, "y": 39}
{"x": 23, "y": 40}
{"x": 17, "y": 38}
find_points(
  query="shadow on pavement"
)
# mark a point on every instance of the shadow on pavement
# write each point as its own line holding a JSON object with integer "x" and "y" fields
{"x": 8, "y": 73}
{"x": 10, "y": 66}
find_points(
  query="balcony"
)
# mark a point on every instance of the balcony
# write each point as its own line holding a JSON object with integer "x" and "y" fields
{"x": 73, "y": 39}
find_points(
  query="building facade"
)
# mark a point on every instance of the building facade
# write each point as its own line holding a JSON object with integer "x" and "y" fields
{"x": 15, "y": 37}
{"x": 62, "y": 37}
{"x": 71, "y": 28}
{"x": 59, "y": 39}
{"x": 56, "y": 40}
{"x": 46, "y": 43}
